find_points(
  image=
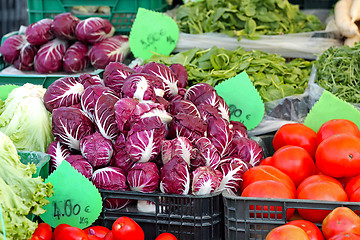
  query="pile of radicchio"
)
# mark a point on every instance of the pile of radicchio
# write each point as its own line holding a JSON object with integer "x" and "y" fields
{"x": 141, "y": 130}
{"x": 65, "y": 43}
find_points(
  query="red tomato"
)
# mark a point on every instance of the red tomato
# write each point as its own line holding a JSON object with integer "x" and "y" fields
{"x": 341, "y": 219}
{"x": 269, "y": 189}
{"x": 43, "y": 231}
{"x": 166, "y": 236}
{"x": 296, "y": 134}
{"x": 294, "y": 161}
{"x": 327, "y": 191}
{"x": 71, "y": 233}
{"x": 336, "y": 126}
{"x": 265, "y": 161}
{"x": 317, "y": 178}
{"x": 59, "y": 228}
{"x": 286, "y": 232}
{"x": 345, "y": 236}
{"x": 266, "y": 172}
{"x": 124, "y": 228}
{"x": 339, "y": 156}
{"x": 313, "y": 232}
{"x": 109, "y": 236}
{"x": 99, "y": 231}
{"x": 352, "y": 185}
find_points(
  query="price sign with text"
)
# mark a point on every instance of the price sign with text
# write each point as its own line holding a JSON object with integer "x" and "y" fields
{"x": 244, "y": 102}
{"x": 152, "y": 33}
{"x": 75, "y": 201}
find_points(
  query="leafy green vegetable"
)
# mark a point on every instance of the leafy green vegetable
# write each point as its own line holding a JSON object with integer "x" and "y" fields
{"x": 20, "y": 194}
{"x": 245, "y": 18}
{"x": 24, "y": 118}
{"x": 338, "y": 71}
{"x": 272, "y": 76}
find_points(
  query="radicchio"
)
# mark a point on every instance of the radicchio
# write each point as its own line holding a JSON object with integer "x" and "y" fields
{"x": 58, "y": 153}
{"x": 64, "y": 26}
{"x": 238, "y": 129}
{"x": 145, "y": 139}
{"x": 121, "y": 160}
{"x": 150, "y": 109}
{"x": 63, "y": 92}
{"x": 219, "y": 134}
{"x": 120, "y": 142}
{"x": 111, "y": 178}
{"x": 75, "y": 58}
{"x": 40, "y": 32}
{"x": 96, "y": 149}
{"x": 88, "y": 80}
{"x": 11, "y": 47}
{"x": 180, "y": 146}
{"x": 208, "y": 152}
{"x": 25, "y": 61}
{"x": 69, "y": 125}
{"x": 90, "y": 96}
{"x": 215, "y": 100}
{"x": 231, "y": 177}
{"x": 187, "y": 126}
{"x": 184, "y": 106}
{"x": 166, "y": 75}
{"x": 81, "y": 165}
{"x": 204, "y": 181}
{"x": 175, "y": 176}
{"x": 123, "y": 110}
{"x": 247, "y": 150}
{"x": 93, "y": 30}
{"x": 104, "y": 116}
{"x": 138, "y": 86}
{"x": 113, "y": 49}
{"x": 144, "y": 177}
{"x": 197, "y": 90}
{"x": 115, "y": 74}
{"x": 180, "y": 74}
{"x": 49, "y": 57}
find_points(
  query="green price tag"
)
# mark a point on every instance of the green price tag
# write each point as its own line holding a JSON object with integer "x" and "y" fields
{"x": 243, "y": 99}
{"x": 330, "y": 107}
{"x": 76, "y": 201}
{"x": 152, "y": 32}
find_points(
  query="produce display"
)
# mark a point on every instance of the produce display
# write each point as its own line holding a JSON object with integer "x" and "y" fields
{"x": 310, "y": 165}
{"x": 65, "y": 43}
{"x": 123, "y": 228}
{"x": 340, "y": 223}
{"x": 271, "y": 74}
{"x": 244, "y": 18}
{"x": 141, "y": 130}
{"x": 337, "y": 71}
{"x": 20, "y": 193}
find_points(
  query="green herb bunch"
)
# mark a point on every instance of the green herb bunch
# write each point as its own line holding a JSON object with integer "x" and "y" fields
{"x": 248, "y": 18}
{"x": 338, "y": 71}
{"x": 271, "y": 74}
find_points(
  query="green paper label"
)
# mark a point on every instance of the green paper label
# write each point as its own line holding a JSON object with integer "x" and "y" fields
{"x": 152, "y": 32}
{"x": 330, "y": 107}
{"x": 76, "y": 201}
{"x": 244, "y": 101}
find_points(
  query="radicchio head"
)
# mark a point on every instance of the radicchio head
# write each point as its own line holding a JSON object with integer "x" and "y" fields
{"x": 123, "y": 110}
{"x": 11, "y": 47}
{"x": 40, "y": 32}
{"x": 219, "y": 134}
{"x": 204, "y": 181}
{"x": 180, "y": 74}
{"x": 94, "y": 29}
{"x": 147, "y": 109}
{"x": 247, "y": 150}
{"x": 179, "y": 146}
{"x": 87, "y": 80}
{"x": 208, "y": 152}
{"x": 64, "y": 26}
{"x": 96, "y": 149}
{"x": 63, "y": 92}
{"x": 25, "y": 61}
{"x": 184, "y": 106}
{"x": 139, "y": 86}
{"x": 75, "y": 58}
{"x": 144, "y": 177}
{"x": 81, "y": 165}
{"x": 231, "y": 177}
{"x": 187, "y": 126}
{"x": 115, "y": 74}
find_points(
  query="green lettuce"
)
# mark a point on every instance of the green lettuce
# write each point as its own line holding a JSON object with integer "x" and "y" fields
{"x": 20, "y": 194}
{"x": 24, "y": 118}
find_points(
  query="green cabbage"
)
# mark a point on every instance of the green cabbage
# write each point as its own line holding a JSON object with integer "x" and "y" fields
{"x": 24, "y": 118}
{"x": 20, "y": 194}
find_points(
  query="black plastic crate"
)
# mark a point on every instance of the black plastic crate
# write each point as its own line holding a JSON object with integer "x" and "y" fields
{"x": 312, "y": 4}
{"x": 186, "y": 216}
{"x": 243, "y": 223}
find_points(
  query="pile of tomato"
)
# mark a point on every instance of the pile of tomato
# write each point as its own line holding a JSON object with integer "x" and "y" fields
{"x": 124, "y": 228}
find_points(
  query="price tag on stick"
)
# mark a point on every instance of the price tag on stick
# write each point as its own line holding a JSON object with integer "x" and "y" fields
{"x": 244, "y": 101}
{"x": 76, "y": 201}
{"x": 152, "y": 32}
